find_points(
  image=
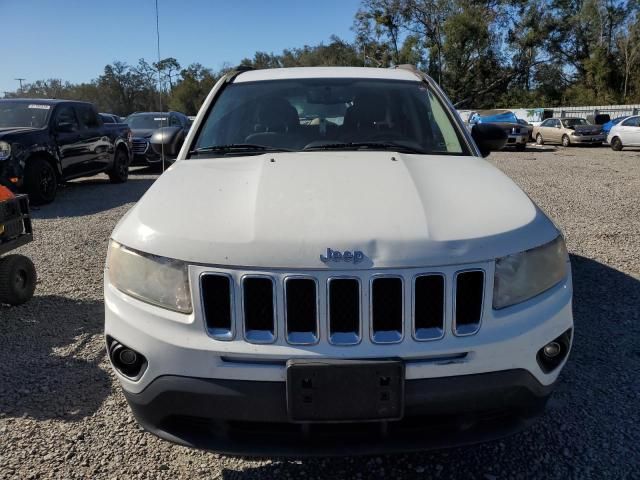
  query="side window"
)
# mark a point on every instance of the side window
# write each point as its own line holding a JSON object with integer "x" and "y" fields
{"x": 631, "y": 122}
{"x": 66, "y": 120}
{"x": 546, "y": 123}
{"x": 88, "y": 118}
{"x": 174, "y": 121}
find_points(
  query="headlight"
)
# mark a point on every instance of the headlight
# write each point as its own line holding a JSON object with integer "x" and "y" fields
{"x": 5, "y": 150}
{"x": 157, "y": 280}
{"x": 524, "y": 275}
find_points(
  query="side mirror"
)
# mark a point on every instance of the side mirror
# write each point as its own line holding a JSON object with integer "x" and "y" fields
{"x": 64, "y": 127}
{"x": 489, "y": 138}
{"x": 165, "y": 140}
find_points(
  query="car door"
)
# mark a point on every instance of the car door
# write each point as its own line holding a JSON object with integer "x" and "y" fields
{"x": 555, "y": 132}
{"x": 544, "y": 130}
{"x": 629, "y": 131}
{"x": 98, "y": 146}
{"x": 66, "y": 132}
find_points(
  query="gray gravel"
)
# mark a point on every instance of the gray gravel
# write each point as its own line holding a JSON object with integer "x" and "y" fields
{"x": 62, "y": 414}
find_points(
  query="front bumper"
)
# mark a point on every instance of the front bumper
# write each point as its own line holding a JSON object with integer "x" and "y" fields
{"x": 588, "y": 138}
{"x": 250, "y": 417}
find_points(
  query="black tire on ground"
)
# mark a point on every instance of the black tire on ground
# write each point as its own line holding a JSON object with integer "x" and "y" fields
{"x": 119, "y": 173}
{"x": 17, "y": 279}
{"x": 539, "y": 139}
{"x": 616, "y": 144}
{"x": 565, "y": 141}
{"x": 521, "y": 146}
{"x": 40, "y": 181}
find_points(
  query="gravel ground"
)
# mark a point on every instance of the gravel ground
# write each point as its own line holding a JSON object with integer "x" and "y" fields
{"x": 62, "y": 414}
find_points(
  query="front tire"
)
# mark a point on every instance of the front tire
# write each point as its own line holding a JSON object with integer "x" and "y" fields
{"x": 539, "y": 139}
{"x": 616, "y": 144}
{"x": 40, "y": 181}
{"x": 565, "y": 141}
{"x": 119, "y": 173}
{"x": 17, "y": 279}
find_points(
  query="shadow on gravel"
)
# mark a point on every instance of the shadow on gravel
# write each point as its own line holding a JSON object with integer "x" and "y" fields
{"x": 50, "y": 353}
{"x": 589, "y": 429}
{"x": 92, "y": 195}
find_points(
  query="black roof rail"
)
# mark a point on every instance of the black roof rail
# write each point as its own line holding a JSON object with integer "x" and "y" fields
{"x": 237, "y": 71}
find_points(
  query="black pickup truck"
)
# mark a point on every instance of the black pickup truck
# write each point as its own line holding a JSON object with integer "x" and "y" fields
{"x": 46, "y": 142}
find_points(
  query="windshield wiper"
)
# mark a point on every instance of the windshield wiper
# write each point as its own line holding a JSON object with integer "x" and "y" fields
{"x": 396, "y": 147}
{"x": 238, "y": 148}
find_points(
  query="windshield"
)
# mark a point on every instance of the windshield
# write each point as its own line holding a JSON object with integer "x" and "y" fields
{"x": 23, "y": 114}
{"x": 330, "y": 113}
{"x": 147, "y": 121}
{"x": 572, "y": 122}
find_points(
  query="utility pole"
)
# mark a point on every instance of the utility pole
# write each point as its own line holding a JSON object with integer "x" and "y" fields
{"x": 20, "y": 80}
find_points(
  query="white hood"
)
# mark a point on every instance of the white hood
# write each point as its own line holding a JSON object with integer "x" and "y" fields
{"x": 286, "y": 209}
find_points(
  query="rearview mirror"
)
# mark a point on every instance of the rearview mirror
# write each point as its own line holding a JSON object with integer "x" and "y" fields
{"x": 489, "y": 138}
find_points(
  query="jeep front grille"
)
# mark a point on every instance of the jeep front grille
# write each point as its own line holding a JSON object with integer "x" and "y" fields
{"x": 342, "y": 309}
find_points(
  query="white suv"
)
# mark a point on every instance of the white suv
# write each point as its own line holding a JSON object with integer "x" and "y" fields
{"x": 331, "y": 266}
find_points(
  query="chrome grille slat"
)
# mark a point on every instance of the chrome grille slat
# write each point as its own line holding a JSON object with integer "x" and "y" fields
{"x": 259, "y": 308}
{"x": 344, "y": 308}
{"x": 468, "y": 301}
{"x": 301, "y": 310}
{"x": 216, "y": 292}
{"x": 429, "y": 306}
{"x": 386, "y": 308}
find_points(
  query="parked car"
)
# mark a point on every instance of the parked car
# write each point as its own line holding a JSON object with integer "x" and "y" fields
{"x": 518, "y": 135}
{"x": 45, "y": 142}
{"x": 320, "y": 287}
{"x": 110, "y": 118}
{"x": 144, "y": 124}
{"x": 606, "y": 128}
{"x": 529, "y": 128}
{"x": 568, "y": 131}
{"x": 625, "y": 134}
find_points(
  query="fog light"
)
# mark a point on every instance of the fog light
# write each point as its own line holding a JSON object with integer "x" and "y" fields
{"x": 552, "y": 349}
{"x": 553, "y": 353}
{"x": 129, "y": 357}
{"x": 125, "y": 360}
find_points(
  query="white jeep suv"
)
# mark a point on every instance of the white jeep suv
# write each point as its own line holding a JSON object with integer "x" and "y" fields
{"x": 331, "y": 266}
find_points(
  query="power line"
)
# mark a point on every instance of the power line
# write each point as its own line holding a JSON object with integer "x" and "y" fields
{"x": 159, "y": 81}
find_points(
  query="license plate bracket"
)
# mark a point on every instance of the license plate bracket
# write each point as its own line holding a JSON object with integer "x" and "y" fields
{"x": 345, "y": 390}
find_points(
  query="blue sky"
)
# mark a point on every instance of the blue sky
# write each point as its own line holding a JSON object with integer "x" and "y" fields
{"x": 75, "y": 39}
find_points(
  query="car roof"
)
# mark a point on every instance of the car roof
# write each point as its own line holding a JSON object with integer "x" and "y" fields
{"x": 44, "y": 101}
{"x": 153, "y": 113}
{"x": 326, "y": 72}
